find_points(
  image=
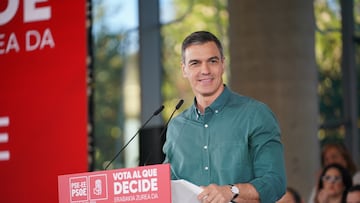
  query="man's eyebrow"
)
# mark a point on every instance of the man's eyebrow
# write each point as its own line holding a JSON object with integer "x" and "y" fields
{"x": 214, "y": 57}
{"x": 193, "y": 60}
{"x": 209, "y": 59}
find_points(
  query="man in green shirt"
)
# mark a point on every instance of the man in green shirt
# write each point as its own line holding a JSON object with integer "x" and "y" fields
{"x": 228, "y": 143}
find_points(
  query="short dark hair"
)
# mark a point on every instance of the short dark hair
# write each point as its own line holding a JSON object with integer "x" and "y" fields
{"x": 200, "y": 37}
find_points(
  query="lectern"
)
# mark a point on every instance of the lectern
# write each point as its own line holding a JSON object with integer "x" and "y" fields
{"x": 144, "y": 184}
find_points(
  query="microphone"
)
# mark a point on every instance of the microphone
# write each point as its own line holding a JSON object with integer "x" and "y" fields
{"x": 137, "y": 132}
{"x": 178, "y": 105}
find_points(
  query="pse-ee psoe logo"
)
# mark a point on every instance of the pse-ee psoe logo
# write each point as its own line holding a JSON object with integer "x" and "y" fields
{"x": 32, "y": 39}
{"x": 88, "y": 188}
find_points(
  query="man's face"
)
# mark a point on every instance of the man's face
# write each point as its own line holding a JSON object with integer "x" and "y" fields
{"x": 353, "y": 197}
{"x": 203, "y": 66}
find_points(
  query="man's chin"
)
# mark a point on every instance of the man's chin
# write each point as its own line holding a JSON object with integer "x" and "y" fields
{"x": 207, "y": 93}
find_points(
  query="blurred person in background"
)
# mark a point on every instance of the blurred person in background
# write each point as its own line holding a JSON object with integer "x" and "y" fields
{"x": 336, "y": 152}
{"x": 333, "y": 184}
{"x": 353, "y": 194}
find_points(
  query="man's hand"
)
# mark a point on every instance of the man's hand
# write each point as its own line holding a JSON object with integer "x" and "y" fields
{"x": 216, "y": 194}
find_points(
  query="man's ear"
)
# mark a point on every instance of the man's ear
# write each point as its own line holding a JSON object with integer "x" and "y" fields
{"x": 183, "y": 70}
{"x": 223, "y": 64}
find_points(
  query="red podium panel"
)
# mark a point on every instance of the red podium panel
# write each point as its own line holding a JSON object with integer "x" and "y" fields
{"x": 150, "y": 184}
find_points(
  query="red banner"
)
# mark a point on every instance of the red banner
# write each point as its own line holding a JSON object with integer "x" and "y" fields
{"x": 43, "y": 106}
{"x": 146, "y": 184}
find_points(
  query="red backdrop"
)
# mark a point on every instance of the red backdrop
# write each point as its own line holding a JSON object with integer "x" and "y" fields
{"x": 43, "y": 106}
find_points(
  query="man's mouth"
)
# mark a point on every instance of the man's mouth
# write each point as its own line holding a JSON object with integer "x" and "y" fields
{"x": 205, "y": 80}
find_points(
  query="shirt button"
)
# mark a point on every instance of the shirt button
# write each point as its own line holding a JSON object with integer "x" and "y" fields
{"x": 205, "y": 147}
{"x": 206, "y": 168}
{"x": 206, "y": 125}
{"x": 216, "y": 111}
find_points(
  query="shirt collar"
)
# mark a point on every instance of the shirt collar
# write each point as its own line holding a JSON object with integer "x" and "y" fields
{"x": 218, "y": 104}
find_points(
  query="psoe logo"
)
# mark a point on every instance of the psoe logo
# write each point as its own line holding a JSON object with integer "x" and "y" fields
{"x": 78, "y": 189}
{"x": 98, "y": 187}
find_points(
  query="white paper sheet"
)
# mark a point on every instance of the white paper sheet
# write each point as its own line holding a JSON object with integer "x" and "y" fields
{"x": 183, "y": 191}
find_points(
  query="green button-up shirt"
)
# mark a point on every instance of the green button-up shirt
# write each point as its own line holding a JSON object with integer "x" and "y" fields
{"x": 236, "y": 140}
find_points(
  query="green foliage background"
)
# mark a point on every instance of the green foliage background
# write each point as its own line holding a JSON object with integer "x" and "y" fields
{"x": 328, "y": 49}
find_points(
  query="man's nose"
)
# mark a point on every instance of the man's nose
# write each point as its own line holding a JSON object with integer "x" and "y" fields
{"x": 205, "y": 69}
